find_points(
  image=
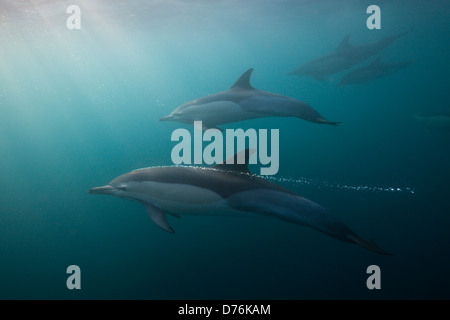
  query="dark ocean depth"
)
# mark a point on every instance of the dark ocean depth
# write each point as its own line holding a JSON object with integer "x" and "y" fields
{"x": 81, "y": 107}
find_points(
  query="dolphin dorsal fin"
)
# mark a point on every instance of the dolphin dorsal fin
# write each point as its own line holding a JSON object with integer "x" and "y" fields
{"x": 237, "y": 164}
{"x": 244, "y": 81}
{"x": 344, "y": 45}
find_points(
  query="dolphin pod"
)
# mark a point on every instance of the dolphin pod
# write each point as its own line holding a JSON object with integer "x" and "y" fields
{"x": 344, "y": 57}
{"x": 223, "y": 190}
{"x": 243, "y": 102}
{"x": 231, "y": 189}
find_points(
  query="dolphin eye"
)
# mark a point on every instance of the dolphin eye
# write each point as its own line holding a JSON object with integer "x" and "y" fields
{"x": 123, "y": 188}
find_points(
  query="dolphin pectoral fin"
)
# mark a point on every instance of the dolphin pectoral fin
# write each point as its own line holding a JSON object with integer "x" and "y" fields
{"x": 159, "y": 217}
{"x": 331, "y": 123}
{"x": 175, "y": 215}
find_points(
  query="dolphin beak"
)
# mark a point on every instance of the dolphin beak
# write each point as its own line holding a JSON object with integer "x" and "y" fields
{"x": 166, "y": 118}
{"x": 102, "y": 190}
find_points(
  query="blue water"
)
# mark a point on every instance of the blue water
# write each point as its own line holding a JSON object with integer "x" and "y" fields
{"x": 80, "y": 107}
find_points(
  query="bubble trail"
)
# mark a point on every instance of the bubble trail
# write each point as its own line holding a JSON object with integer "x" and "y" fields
{"x": 327, "y": 184}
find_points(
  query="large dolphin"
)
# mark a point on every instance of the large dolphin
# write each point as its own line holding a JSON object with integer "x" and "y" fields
{"x": 344, "y": 57}
{"x": 223, "y": 189}
{"x": 242, "y": 102}
{"x": 374, "y": 70}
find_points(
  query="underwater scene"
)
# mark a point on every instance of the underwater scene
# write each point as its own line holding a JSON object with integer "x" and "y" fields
{"x": 209, "y": 150}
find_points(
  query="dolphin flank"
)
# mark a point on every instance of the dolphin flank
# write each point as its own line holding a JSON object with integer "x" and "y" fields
{"x": 223, "y": 189}
{"x": 344, "y": 57}
{"x": 243, "y": 102}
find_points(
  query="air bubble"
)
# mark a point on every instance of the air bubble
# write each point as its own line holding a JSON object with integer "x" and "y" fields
{"x": 327, "y": 184}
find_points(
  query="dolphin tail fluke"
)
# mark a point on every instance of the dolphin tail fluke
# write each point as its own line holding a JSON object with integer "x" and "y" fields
{"x": 333, "y": 123}
{"x": 325, "y": 121}
{"x": 368, "y": 244}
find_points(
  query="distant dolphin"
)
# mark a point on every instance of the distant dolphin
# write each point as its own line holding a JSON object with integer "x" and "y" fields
{"x": 437, "y": 120}
{"x": 344, "y": 57}
{"x": 242, "y": 102}
{"x": 223, "y": 190}
{"x": 376, "y": 69}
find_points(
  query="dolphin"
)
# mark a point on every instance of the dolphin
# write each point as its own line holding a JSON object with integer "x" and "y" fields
{"x": 374, "y": 70}
{"x": 223, "y": 190}
{"x": 242, "y": 102}
{"x": 344, "y": 57}
{"x": 436, "y": 119}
